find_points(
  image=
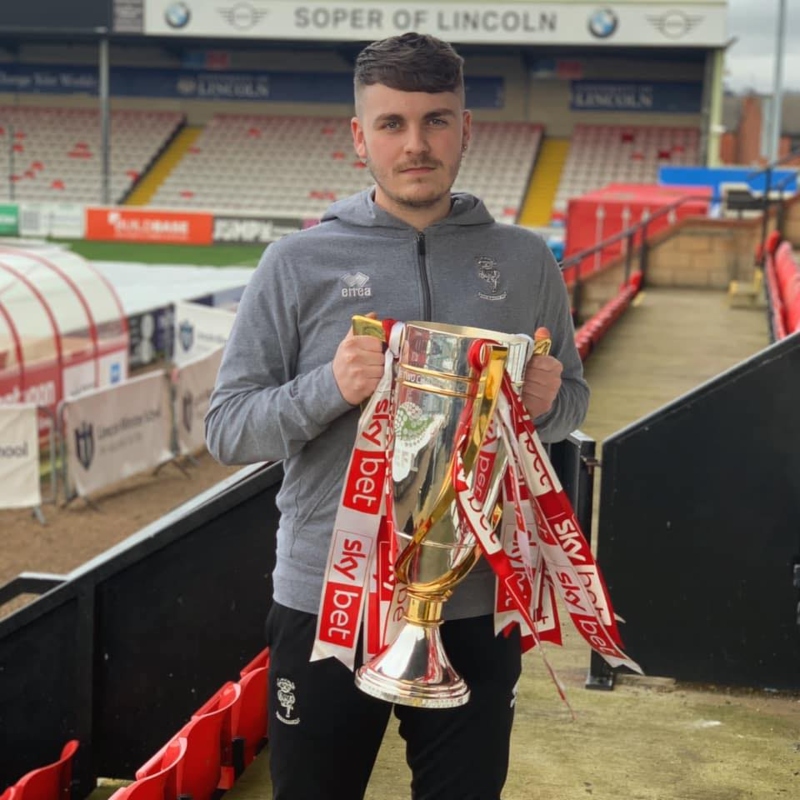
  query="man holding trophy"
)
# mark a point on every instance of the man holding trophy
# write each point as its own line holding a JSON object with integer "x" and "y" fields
{"x": 400, "y": 442}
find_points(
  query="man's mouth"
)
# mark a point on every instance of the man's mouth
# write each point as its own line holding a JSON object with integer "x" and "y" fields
{"x": 418, "y": 169}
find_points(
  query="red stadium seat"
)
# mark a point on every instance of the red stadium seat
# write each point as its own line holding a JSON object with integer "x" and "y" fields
{"x": 791, "y": 303}
{"x": 261, "y": 660}
{"x": 52, "y": 782}
{"x": 209, "y": 745}
{"x": 250, "y": 730}
{"x": 223, "y": 709}
{"x": 163, "y": 781}
{"x": 773, "y": 241}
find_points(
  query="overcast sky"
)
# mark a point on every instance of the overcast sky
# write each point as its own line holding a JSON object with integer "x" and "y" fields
{"x": 750, "y": 62}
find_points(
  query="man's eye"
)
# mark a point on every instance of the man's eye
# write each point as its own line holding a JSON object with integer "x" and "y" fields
{"x": 438, "y": 121}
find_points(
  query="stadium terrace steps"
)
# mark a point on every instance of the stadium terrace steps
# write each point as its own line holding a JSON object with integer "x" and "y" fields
{"x": 163, "y": 166}
{"x": 296, "y": 166}
{"x": 603, "y": 154}
{"x": 55, "y": 153}
{"x": 538, "y": 206}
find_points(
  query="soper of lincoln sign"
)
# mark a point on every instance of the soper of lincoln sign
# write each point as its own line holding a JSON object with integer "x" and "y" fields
{"x": 639, "y": 24}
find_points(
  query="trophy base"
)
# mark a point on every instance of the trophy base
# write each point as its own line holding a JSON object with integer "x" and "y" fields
{"x": 414, "y": 671}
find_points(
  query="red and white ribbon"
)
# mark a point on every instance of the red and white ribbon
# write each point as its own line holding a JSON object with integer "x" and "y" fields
{"x": 357, "y": 529}
{"x": 539, "y": 551}
{"x": 565, "y": 551}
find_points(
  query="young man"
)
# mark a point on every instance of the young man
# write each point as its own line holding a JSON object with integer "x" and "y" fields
{"x": 290, "y": 385}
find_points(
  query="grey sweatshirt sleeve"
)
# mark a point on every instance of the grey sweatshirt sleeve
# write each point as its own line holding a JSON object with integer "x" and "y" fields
{"x": 261, "y": 409}
{"x": 572, "y": 401}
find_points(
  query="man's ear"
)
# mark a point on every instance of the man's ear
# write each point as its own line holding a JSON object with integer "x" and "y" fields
{"x": 467, "y": 130}
{"x": 358, "y": 138}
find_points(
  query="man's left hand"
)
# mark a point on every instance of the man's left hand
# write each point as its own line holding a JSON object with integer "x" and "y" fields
{"x": 541, "y": 384}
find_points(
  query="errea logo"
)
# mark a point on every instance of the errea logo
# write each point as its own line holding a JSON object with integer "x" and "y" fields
{"x": 356, "y": 285}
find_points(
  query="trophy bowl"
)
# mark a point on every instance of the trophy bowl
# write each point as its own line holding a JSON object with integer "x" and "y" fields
{"x": 447, "y": 382}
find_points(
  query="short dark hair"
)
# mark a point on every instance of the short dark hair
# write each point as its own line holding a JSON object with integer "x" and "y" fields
{"x": 412, "y": 62}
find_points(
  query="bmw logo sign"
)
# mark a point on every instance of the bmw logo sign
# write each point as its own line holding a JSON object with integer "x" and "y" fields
{"x": 177, "y": 15}
{"x": 603, "y": 23}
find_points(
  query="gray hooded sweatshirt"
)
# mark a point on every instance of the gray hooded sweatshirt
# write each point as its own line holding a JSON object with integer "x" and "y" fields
{"x": 276, "y": 397}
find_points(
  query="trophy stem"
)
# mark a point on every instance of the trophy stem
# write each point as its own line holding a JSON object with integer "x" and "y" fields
{"x": 414, "y": 670}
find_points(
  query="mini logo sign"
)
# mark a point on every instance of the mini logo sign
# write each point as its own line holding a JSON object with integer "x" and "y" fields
{"x": 14, "y": 450}
{"x": 186, "y": 334}
{"x": 675, "y": 24}
{"x": 287, "y": 699}
{"x": 603, "y": 23}
{"x": 177, "y": 15}
{"x": 488, "y": 272}
{"x": 243, "y": 16}
{"x": 253, "y": 229}
{"x": 84, "y": 444}
{"x": 186, "y": 86}
{"x": 355, "y": 285}
{"x": 187, "y": 408}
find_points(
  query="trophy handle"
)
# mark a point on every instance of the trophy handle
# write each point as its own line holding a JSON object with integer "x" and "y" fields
{"x": 488, "y": 358}
{"x": 367, "y": 326}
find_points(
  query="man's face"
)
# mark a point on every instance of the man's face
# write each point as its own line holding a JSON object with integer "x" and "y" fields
{"x": 413, "y": 143}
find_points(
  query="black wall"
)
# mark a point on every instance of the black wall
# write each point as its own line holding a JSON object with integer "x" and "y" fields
{"x": 124, "y": 651}
{"x": 699, "y": 529}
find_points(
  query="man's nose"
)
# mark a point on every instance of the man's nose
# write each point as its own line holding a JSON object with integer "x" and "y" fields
{"x": 416, "y": 140}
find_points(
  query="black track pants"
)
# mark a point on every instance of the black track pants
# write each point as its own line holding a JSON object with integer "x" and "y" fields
{"x": 324, "y": 733}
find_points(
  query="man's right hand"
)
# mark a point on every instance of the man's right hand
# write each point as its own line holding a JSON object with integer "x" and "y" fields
{"x": 358, "y": 366}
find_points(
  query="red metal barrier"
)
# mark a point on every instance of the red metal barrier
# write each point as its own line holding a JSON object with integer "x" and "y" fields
{"x": 593, "y": 330}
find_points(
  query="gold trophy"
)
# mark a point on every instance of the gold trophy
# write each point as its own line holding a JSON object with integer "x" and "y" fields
{"x": 447, "y": 382}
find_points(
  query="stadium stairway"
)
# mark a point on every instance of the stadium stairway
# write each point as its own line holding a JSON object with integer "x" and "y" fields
{"x": 163, "y": 165}
{"x": 542, "y": 189}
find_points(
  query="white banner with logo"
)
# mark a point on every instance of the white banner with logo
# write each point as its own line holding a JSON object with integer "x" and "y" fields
{"x": 59, "y": 220}
{"x": 679, "y": 24}
{"x": 19, "y": 457}
{"x": 199, "y": 330}
{"x": 194, "y": 383}
{"x": 117, "y": 432}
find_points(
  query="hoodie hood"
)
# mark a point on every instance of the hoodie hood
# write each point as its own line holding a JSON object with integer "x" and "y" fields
{"x": 362, "y": 210}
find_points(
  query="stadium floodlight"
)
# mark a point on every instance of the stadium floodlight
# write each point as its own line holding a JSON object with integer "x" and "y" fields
{"x": 777, "y": 86}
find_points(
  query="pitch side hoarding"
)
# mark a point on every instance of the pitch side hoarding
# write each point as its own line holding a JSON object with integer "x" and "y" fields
{"x": 680, "y": 24}
{"x": 151, "y": 225}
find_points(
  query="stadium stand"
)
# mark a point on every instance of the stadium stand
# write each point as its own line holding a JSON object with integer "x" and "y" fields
{"x": 600, "y": 154}
{"x": 498, "y": 165}
{"x": 297, "y": 166}
{"x": 56, "y": 152}
{"x": 291, "y": 166}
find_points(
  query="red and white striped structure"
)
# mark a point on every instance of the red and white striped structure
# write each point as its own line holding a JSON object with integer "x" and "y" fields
{"x": 62, "y": 326}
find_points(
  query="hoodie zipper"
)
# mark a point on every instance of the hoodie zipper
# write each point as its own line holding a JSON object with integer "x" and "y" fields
{"x": 423, "y": 275}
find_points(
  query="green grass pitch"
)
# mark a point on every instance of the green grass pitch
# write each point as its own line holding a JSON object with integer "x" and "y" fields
{"x": 220, "y": 255}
